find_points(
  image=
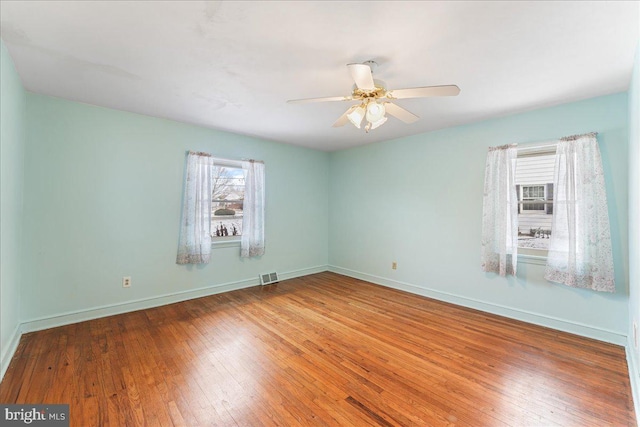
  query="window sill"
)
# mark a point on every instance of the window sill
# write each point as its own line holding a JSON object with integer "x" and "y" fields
{"x": 225, "y": 243}
{"x": 532, "y": 259}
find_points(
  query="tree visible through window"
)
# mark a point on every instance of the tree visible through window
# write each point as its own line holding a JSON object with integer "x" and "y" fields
{"x": 227, "y": 201}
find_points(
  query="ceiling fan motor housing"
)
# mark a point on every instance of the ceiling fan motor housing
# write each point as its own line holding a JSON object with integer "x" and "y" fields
{"x": 379, "y": 91}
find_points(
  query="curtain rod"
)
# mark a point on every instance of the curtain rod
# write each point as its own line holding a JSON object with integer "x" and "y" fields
{"x": 503, "y": 147}
{"x": 574, "y": 137}
{"x": 202, "y": 153}
{"x": 546, "y": 144}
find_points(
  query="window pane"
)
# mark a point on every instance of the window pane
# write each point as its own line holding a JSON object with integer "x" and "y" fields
{"x": 536, "y": 211}
{"x": 222, "y": 227}
{"x": 227, "y": 202}
{"x": 540, "y": 192}
{"x": 533, "y": 206}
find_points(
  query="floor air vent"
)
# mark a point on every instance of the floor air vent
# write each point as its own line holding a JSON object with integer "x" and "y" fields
{"x": 269, "y": 278}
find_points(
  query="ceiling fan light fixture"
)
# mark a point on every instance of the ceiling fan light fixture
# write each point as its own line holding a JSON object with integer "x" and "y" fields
{"x": 378, "y": 123}
{"x": 375, "y": 112}
{"x": 356, "y": 116}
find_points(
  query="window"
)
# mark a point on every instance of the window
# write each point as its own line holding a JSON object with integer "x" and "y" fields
{"x": 237, "y": 190}
{"x": 532, "y": 193}
{"x": 534, "y": 188}
{"x": 227, "y": 202}
{"x": 578, "y": 240}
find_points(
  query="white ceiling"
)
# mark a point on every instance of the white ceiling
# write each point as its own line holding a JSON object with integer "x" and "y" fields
{"x": 233, "y": 65}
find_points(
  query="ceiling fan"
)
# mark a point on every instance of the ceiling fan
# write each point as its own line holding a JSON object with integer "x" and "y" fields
{"x": 373, "y": 97}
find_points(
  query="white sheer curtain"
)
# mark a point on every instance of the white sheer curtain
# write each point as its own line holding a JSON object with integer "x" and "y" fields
{"x": 194, "y": 246}
{"x": 500, "y": 211}
{"x": 252, "y": 240}
{"x": 580, "y": 246}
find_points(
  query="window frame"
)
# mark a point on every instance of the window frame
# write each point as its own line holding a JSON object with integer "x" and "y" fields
{"x": 226, "y": 241}
{"x": 522, "y": 200}
{"x": 533, "y": 255}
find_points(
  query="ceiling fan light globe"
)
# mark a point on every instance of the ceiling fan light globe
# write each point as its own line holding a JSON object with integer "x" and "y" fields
{"x": 378, "y": 123}
{"x": 356, "y": 116}
{"x": 375, "y": 112}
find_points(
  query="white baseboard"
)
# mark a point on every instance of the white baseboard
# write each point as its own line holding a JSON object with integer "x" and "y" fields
{"x": 157, "y": 301}
{"x": 302, "y": 272}
{"x": 129, "y": 306}
{"x": 10, "y": 350}
{"x": 109, "y": 310}
{"x": 634, "y": 377}
{"x": 525, "y": 316}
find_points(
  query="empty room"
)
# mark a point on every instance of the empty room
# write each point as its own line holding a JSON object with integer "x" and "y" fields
{"x": 320, "y": 213}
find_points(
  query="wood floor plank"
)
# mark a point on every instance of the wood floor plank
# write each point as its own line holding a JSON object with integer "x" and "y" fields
{"x": 320, "y": 350}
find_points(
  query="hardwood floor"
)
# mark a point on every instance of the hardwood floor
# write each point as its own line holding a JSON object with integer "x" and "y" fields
{"x": 320, "y": 350}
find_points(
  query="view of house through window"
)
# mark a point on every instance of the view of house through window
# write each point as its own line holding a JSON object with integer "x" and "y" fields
{"x": 534, "y": 185}
{"x": 532, "y": 193}
{"x": 227, "y": 202}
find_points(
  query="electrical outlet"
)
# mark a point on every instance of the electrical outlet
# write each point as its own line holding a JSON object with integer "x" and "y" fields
{"x": 126, "y": 282}
{"x": 635, "y": 335}
{"x": 394, "y": 265}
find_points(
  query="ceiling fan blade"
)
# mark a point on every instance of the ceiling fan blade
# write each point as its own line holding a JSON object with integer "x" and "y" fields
{"x": 400, "y": 113}
{"x": 326, "y": 99}
{"x": 361, "y": 74}
{"x": 343, "y": 120}
{"x": 422, "y": 92}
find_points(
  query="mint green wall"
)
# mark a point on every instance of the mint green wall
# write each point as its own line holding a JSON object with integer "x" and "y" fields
{"x": 12, "y": 141}
{"x": 634, "y": 204}
{"x": 418, "y": 201}
{"x": 103, "y": 193}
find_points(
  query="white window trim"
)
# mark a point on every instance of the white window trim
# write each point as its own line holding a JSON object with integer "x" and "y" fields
{"x": 529, "y": 255}
{"x": 532, "y": 259}
{"x": 228, "y": 163}
{"x": 537, "y": 148}
{"x": 227, "y": 241}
